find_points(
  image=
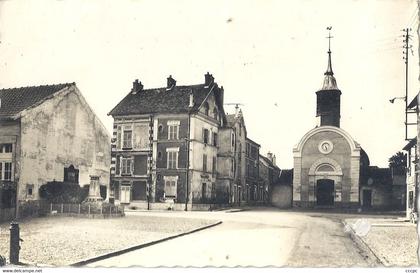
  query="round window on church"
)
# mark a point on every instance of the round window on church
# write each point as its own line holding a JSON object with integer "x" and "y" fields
{"x": 325, "y": 147}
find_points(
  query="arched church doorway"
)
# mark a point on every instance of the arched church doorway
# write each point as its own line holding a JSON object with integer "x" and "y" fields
{"x": 325, "y": 192}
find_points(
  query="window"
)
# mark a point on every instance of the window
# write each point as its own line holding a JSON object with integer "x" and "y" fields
{"x": 126, "y": 166}
{"x": 215, "y": 139}
{"x": 172, "y": 162}
{"x": 204, "y": 163}
{"x": 29, "y": 189}
{"x": 6, "y": 171}
{"x": 127, "y": 140}
{"x": 140, "y": 165}
{"x": 6, "y": 148}
{"x": 71, "y": 175}
{"x": 159, "y": 155}
{"x": 170, "y": 186}
{"x": 173, "y": 129}
{"x": 206, "y": 136}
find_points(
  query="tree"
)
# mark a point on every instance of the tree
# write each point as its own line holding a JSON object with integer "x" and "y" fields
{"x": 398, "y": 163}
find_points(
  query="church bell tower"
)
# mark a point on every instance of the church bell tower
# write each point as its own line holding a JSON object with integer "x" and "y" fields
{"x": 328, "y": 97}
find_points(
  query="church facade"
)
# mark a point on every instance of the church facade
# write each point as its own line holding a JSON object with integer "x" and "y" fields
{"x": 327, "y": 161}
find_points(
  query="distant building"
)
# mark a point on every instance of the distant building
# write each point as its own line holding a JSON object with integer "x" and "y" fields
{"x": 231, "y": 158}
{"x": 165, "y": 143}
{"x": 331, "y": 170}
{"x": 269, "y": 174}
{"x": 327, "y": 161}
{"x": 48, "y": 133}
{"x": 253, "y": 190}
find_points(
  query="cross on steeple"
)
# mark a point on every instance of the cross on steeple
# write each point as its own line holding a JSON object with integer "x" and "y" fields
{"x": 329, "y": 38}
{"x": 329, "y": 68}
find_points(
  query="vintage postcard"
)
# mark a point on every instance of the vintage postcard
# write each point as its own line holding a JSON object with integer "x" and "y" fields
{"x": 279, "y": 134}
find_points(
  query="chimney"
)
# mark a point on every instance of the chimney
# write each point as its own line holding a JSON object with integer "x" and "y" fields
{"x": 137, "y": 87}
{"x": 222, "y": 94}
{"x": 236, "y": 111}
{"x": 270, "y": 156}
{"x": 208, "y": 79}
{"x": 274, "y": 160}
{"x": 191, "y": 105}
{"x": 170, "y": 83}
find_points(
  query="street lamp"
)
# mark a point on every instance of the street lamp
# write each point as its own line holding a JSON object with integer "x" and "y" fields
{"x": 397, "y": 98}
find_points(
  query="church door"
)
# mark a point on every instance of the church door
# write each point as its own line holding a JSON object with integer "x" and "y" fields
{"x": 325, "y": 192}
{"x": 367, "y": 198}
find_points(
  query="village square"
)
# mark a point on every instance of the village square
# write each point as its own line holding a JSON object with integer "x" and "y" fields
{"x": 180, "y": 173}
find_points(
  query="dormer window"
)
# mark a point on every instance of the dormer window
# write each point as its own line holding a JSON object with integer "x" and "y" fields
{"x": 215, "y": 113}
{"x": 6, "y": 148}
{"x": 206, "y": 108}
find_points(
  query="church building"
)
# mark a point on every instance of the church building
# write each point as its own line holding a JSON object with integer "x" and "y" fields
{"x": 327, "y": 161}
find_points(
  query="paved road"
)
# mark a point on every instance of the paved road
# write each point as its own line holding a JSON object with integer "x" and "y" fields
{"x": 260, "y": 237}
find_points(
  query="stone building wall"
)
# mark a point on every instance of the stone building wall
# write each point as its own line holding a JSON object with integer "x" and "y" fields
{"x": 344, "y": 159}
{"x": 60, "y": 132}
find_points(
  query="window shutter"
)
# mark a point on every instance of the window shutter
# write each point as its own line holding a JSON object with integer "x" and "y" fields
{"x": 117, "y": 166}
{"x": 131, "y": 165}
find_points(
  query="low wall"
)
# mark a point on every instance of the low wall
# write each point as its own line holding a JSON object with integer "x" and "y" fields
{"x": 90, "y": 210}
{"x": 172, "y": 206}
{"x": 281, "y": 196}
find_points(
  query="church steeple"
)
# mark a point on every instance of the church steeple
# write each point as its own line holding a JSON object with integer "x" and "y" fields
{"x": 329, "y": 81}
{"x": 328, "y": 97}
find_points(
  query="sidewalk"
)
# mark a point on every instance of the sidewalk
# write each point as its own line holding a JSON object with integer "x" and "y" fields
{"x": 393, "y": 241}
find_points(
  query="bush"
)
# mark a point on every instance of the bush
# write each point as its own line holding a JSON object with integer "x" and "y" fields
{"x": 61, "y": 192}
{"x": 2, "y": 261}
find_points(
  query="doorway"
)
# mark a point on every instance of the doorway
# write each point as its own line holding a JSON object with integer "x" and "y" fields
{"x": 325, "y": 192}
{"x": 203, "y": 193}
{"x": 367, "y": 198}
{"x": 125, "y": 194}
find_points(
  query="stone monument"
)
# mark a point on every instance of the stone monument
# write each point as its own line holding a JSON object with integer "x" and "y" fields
{"x": 94, "y": 190}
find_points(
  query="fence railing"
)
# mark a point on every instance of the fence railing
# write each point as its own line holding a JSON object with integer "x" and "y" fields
{"x": 104, "y": 209}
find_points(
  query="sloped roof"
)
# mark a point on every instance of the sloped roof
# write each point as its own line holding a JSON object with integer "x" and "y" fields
{"x": 414, "y": 103}
{"x": 230, "y": 119}
{"x": 15, "y": 100}
{"x": 161, "y": 100}
{"x": 268, "y": 162}
{"x": 286, "y": 176}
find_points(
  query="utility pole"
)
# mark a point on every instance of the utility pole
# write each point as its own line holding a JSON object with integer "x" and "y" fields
{"x": 406, "y": 47}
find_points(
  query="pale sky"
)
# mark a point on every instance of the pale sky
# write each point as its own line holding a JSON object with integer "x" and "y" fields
{"x": 264, "y": 53}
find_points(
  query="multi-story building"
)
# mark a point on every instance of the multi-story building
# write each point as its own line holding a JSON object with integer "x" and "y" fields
{"x": 48, "y": 133}
{"x": 253, "y": 190}
{"x": 165, "y": 143}
{"x": 231, "y": 162}
{"x": 268, "y": 174}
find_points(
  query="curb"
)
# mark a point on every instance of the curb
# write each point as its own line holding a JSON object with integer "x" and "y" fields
{"x": 363, "y": 246}
{"x": 132, "y": 248}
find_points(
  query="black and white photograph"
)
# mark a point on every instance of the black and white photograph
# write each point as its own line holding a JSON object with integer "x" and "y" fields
{"x": 140, "y": 134}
